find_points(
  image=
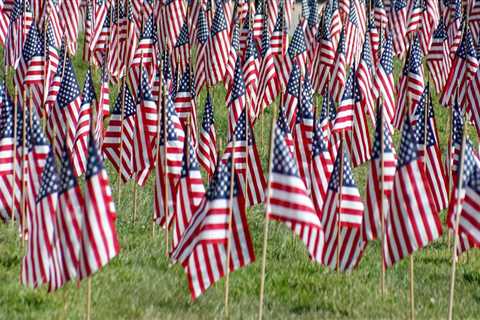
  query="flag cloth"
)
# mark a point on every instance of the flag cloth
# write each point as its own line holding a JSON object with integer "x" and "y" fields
{"x": 376, "y": 208}
{"x": 342, "y": 212}
{"x": 412, "y": 221}
{"x": 37, "y": 264}
{"x": 289, "y": 201}
{"x": 202, "y": 251}
{"x": 99, "y": 237}
{"x": 207, "y": 147}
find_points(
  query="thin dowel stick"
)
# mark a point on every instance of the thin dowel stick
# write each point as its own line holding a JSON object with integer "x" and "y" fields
{"x": 267, "y": 208}
{"x": 89, "y": 298}
{"x": 382, "y": 199}
{"x": 165, "y": 174}
{"x": 14, "y": 171}
{"x": 458, "y": 213}
{"x": 122, "y": 113}
{"x": 24, "y": 140}
{"x": 412, "y": 290}
{"x": 229, "y": 234}
{"x": 339, "y": 227}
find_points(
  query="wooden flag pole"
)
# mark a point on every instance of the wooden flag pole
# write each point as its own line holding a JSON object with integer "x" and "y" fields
{"x": 165, "y": 173}
{"x": 412, "y": 289}
{"x": 339, "y": 228}
{"x": 229, "y": 233}
{"x": 24, "y": 140}
{"x": 382, "y": 198}
{"x": 89, "y": 298}
{"x": 14, "y": 171}
{"x": 267, "y": 209}
{"x": 449, "y": 158}
{"x": 122, "y": 115}
{"x": 458, "y": 213}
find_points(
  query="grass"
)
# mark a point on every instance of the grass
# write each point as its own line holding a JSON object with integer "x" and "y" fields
{"x": 141, "y": 283}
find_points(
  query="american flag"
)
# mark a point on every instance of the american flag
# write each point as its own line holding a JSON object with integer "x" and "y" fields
{"x": 146, "y": 125}
{"x": 99, "y": 237}
{"x": 258, "y": 20}
{"x": 193, "y": 9}
{"x": 459, "y": 189}
{"x": 7, "y": 133}
{"x": 37, "y": 264}
{"x": 69, "y": 215}
{"x": 375, "y": 208}
{"x": 63, "y": 119}
{"x": 429, "y": 150}
{"x": 185, "y": 105}
{"x": 4, "y": 24}
{"x": 175, "y": 136}
{"x": 380, "y": 14}
{"x": 374, "y": 34}
{"x": 38, "y": 149}
{"x": 365, "y": 74}
{"x": 412, "y": 221}
{"x": 52, "y": 57}
{"x": 402, "y": 103}
{"x": 303, "y": 131}
{"x": 454, "y": 27}
{"x": 79, "y": 152}
{"x": 202, "y": 251}
{"x": 116, "y": 42}
{"x": 244, "y": 30}
{"x": 181, "y": 50}
{"x": 171, "y": 16}
{"x": 207, "y": 147}
{"x": 439, "y": 61}
{"x": 324, "y": 58}
{"x": 359, "y": 138}
{"x": 297, "y": 52}
{"x": 30, "y": 69}
{"x": 469, "y": 218}
{"x": 415, "y": 82}
{"x": 251, "y": 66}
{"x": 236, "y": 98}
{"x": 414, "y": 16}
{"x": 311, "y": 30}
{"x": 101, "y": 49}
{"x": 288, "y": 200}
{"x": 145, "y": 56}
{"x": 474, "y": 20}
{"x": 345, "y": 112}
{"x": 273, "y": 7}
{"x": 472, "y": 102}
{"x": 21, "y": 19}
{"x": 384, "y": 83}
{"x": 101, "y": 15}
{"x": 321, "y": 165}
{"x": 353, "y": 39}
{"x": 291, "y": 96}
{"x": 201, "y": 75}
{"x": 103, "y": 107}
{"x": 189, "y": 192}
{"x": 10, "y": 194}
{"x": 120, "y": 134}
{"x": 269, "y": 84}
{"x": 233, "y": 55}
{"x": 70, "y": 16}
{"x": 132, "y": 36}
{"x": 397, "y": 26}
{"x": 339, "y": 72}
{"x": 429, "y": 20}
{"x": 87, "y": 27}
{"x": 342, "y": 212}
{"x": 335, "y": 23}
{"x": 455, "y": 144}
{"x": 279, "y": 33}
{"x": 464, "y": 67}
{"x": 218, "y": 47}
{"x": 248, "y": 166}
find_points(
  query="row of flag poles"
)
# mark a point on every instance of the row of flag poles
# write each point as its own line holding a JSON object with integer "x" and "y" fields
{"x": 162, "y": 54}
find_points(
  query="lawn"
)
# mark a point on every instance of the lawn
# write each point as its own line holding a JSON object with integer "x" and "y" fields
{"x": 141, "y": 282}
